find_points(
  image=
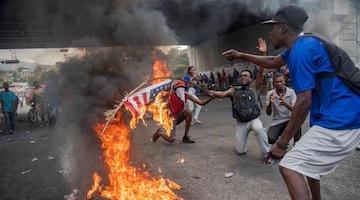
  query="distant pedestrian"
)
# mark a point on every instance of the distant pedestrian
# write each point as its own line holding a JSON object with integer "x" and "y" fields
{"x": 190, "y": 87}
{"x": 9, "y": 103}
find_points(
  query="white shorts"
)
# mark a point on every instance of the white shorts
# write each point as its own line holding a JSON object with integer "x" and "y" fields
{"x": 320, "y": 151}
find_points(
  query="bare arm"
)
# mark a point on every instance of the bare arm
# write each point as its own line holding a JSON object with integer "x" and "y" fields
{"x": 263, "y": 61}
{"x": 268, "y": 109}
{"x": 2, "y": 105}
{"x": 221, "y": 94}
{"x": 16, "y": 103}
{"x": 200, "y": 102}
{"x": 288, "y": 106}
{"x": 299, "y": 114}
{"x": 269, "y": 101}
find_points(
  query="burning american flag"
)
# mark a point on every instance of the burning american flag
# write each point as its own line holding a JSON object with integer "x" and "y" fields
{"x": 135, "y": 102}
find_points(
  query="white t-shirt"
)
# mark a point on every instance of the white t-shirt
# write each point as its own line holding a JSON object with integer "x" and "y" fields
{"x": 280, "y": 113}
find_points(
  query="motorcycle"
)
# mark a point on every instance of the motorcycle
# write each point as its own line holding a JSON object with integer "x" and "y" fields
{"x": 33, "y": 114}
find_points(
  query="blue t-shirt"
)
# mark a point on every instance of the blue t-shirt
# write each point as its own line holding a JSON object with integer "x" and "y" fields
{"x": 334, "y": 105}
{"x": 187, "y": 80}
{"x": 8, "y": 98}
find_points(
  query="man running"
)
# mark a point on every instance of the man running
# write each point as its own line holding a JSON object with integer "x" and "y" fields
{"x": 177, "y": 100}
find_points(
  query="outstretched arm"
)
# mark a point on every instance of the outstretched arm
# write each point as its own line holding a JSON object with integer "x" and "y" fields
{"x": 262, "y": 61}
{"x": 221, "y": 94}
{"x": 200, "y": 102}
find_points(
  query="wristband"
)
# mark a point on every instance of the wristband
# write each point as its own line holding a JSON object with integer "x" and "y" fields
{"x": 282, "y": 146}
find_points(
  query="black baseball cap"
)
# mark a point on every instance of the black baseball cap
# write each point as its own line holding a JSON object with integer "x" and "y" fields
{"x": 293, "y": 16}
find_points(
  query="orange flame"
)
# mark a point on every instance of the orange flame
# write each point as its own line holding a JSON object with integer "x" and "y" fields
{"x": 161, "y": 112}
{"x": 160, "y": 70}
{"x": 125, "y": 181}
{"x": 159, "y": 108}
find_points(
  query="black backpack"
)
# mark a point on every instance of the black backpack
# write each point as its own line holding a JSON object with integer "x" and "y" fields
{"x": 344, "y": 66}
{"x": 244, "y": 105}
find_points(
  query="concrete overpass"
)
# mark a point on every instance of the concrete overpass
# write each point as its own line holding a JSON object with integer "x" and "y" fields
{"x": 68, "y": 23}
{"x": 209, "y": 27}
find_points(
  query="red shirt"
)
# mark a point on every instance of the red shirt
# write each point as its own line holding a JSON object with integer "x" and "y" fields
{"x": 176, "y": 105}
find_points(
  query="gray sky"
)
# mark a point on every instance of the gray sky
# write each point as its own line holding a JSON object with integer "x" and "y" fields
{"x": 40, "y": 56}
{"x": 51, "y": 56}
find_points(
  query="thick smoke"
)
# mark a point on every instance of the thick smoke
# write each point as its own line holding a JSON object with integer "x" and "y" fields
{"x": 197, "y": 21}
{"x": 87, "y": 86}
{"x": 149, "y": 22}
{"x": 111, "y": 22}
{"x": 90, "y": 83}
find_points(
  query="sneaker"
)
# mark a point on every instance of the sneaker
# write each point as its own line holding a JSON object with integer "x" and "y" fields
{"x": 196, "y": 121}
{"x": 11, "y": 132}
{"x": 187, "y": 140}
{"x": 358, "y": 147}
{"x": 270, "y": 161}
{"x": 156, "y": 135}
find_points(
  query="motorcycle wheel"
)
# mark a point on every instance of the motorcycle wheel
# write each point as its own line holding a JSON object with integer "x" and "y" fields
{"x": 32, "y": 116}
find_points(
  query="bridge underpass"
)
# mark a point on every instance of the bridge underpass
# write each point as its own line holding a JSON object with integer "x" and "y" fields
{"x": 66, "y": 155}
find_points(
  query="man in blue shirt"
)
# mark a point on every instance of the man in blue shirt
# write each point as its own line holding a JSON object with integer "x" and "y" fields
{"x": 335, "y": 128}
{"x": 191, "y": 79}
{"x": 9, "y": 102}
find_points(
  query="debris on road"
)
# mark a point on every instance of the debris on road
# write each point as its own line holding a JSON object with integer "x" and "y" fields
{"x": 180, "y": 160}
{"x": 196, "y": 177}
{"x": 32, "y": 141}
{"x": 27, "y": 171}
{"x": 50, "y": 157}
{"x": 229, "y": 174}
{"x": 27, "y": 131}
{"x": 63, "y": 172}
{"x": 173, "y": 185}
{"x": 34, "y": 159}
{"x": 73, "y": 195}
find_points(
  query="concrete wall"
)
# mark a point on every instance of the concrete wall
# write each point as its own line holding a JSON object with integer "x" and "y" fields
{"x": 344, "y": 26}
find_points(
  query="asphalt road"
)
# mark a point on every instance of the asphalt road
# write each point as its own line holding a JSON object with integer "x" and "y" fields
{"x": 41, "y": 162}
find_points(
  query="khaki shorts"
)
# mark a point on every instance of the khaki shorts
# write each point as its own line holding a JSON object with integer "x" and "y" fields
{"x": 320, "y": 151}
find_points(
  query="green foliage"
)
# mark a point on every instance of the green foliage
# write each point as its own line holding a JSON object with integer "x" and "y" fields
{"x": 177, "y": 58}
{"x": 178, "y": 61}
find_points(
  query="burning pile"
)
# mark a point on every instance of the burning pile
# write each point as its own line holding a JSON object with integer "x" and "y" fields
{"x": 125, "y": 181}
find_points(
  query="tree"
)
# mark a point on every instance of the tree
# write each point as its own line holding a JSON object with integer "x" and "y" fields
{"x": 178, "y": 61}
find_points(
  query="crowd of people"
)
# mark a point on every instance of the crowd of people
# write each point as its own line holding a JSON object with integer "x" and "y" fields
{"x": 319, "y": 86}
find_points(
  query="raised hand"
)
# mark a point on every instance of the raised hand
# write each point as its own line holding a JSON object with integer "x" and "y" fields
{"x": 272, "y": 98}
{"x": 262, "y": 47}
